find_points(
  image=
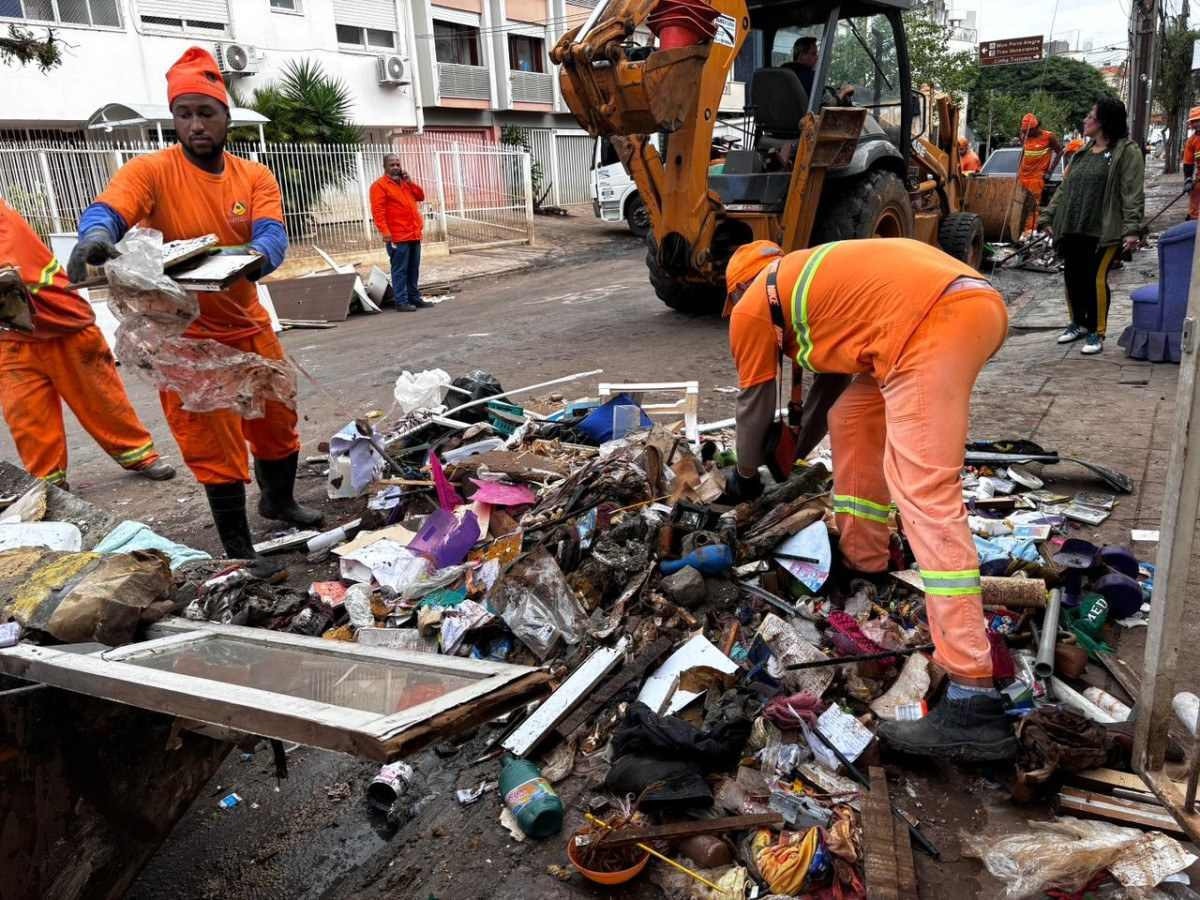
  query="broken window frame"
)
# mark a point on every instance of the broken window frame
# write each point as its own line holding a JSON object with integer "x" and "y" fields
{"x": 111, "y": 676}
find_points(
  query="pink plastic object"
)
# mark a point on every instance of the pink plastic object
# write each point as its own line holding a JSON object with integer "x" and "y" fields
{"x": 448, "y": 497}
{"x": 500, "y": 494}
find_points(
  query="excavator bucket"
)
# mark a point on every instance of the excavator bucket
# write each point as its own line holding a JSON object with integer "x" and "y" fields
{"x": 634, "y": 96}
{"x": 1002, "y": 204}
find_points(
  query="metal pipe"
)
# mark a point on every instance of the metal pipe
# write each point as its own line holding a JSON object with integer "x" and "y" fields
{"x": 1044, "y": 666}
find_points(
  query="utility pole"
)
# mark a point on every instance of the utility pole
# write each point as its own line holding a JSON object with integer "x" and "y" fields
{"x": 1143, "y": 25}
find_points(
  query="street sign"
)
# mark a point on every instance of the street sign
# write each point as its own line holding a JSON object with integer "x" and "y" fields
{"x": 1010, "y": 51}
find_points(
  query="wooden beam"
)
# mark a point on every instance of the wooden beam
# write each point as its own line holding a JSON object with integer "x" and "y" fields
{"x": 1181, "y": 504}
{"x": 879, "y": 840}
{"x": 1114, "y": 809}
{"x": 676, "y": 830}
{"x": 632, "y": 671}
{"x": 1170, "y": 794}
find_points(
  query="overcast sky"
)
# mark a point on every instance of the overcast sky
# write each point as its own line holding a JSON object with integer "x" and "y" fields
{"x": 1103, "y": 22}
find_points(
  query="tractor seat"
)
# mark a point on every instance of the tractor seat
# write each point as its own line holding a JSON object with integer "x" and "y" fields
{"x": 780, "y": 102}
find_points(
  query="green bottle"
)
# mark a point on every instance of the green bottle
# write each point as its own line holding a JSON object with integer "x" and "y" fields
{"x": 532, "y": 800}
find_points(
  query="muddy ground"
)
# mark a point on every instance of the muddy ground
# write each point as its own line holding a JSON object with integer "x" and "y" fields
{"x": 312, "y": 835}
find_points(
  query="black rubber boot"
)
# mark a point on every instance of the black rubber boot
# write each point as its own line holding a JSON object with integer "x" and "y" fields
{"x": 972, "y": 730}
{"x": 277, "y": 480}
{"x": 228, "y": 505}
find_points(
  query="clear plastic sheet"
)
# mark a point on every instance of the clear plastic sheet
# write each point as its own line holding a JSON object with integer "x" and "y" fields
{"x": 154, "y": 312}
{"x": 1065, "y": 854}
{"x": 538, "y": 605}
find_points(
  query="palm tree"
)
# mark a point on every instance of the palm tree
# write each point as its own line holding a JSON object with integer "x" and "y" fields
{"x": 306, "y": 107}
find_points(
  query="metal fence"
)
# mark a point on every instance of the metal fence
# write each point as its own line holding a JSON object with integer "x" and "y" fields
{"x": 564, "y": 160}
{"x": 326, "y": 188}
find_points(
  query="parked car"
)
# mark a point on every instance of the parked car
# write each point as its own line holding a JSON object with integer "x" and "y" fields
{"x": 1003, "y": 164}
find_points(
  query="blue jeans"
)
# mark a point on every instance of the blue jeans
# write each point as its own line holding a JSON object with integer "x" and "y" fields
{"x": 406, "y": 270}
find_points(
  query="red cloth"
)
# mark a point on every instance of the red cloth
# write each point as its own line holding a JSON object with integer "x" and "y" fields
{"x": 787, "y": 712}
{"x": 395, "y": 210}
{"x": 196, "y": 72}
{"x": 57, "y": 311}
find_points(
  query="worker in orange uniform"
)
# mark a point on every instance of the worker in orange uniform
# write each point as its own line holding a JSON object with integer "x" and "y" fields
{"x": 186, "y": 191}
{"x": 1039, "y": 156}
{"x": 394, "y": 199}
{"x": 914, "y": 327}
{"x": 1073, "y": 146}
{"x": 1190, "y": 150}
{"x": 64, "y": 357}
{"x": 968, "y": 159}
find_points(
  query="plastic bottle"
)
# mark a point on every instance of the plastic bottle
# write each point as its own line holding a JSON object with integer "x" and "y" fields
{"x": 530, "y": 797}
{"x": 711, "y": 559}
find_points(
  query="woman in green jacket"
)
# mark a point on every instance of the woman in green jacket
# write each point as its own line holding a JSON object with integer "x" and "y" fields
{"x": 1096, "y": 213}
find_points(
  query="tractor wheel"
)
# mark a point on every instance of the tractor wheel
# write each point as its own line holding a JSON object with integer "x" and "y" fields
{"x": 688, "y": 297}
{"x": 875, "y": 205}
{"x": 636, "y": 216}
{"x": 961, "y": 235}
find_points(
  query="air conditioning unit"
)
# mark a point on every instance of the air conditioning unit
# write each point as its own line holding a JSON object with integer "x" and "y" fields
{"x": 237, "y": 59}
{"x": 391, "y": 69}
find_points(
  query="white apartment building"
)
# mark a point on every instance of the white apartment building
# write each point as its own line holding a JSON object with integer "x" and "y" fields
{"x": 466, "y": 66}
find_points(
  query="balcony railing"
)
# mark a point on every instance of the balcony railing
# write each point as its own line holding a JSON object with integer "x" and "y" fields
{"x": 532, "y": 87}
{"x": 464, "y": 82}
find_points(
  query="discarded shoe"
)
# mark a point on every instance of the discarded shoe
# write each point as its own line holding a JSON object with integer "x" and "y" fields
{"x": 972, "y": 730}
{"x": 159, "y": 470}
{"x": 277, "y": 480}
{"x": 1092, "y": 345}
{"x": 1071, "y": 333}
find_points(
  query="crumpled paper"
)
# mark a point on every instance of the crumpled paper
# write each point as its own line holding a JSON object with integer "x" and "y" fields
{"x": 154, "y": 312}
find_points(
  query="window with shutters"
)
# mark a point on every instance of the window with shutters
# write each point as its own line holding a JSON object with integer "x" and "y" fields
{"x": 455, "y": 43}
{"x": 365, "y": 38}
{"x": 366, "y": 24}
{"x": 289, "y": 6}
{"x": 206, "y": 17}
{"x": 97, "y": 13}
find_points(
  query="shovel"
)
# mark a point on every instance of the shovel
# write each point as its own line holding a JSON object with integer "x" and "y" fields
{"x": 1120, "y": 483}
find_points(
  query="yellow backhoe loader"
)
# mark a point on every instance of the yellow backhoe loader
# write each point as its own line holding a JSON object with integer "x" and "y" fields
{"x": 846, "y": 159}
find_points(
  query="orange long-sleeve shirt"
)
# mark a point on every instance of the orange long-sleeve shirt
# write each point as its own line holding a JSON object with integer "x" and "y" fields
{"x": 395, "y": 210}
{"x": 56, "y": 310}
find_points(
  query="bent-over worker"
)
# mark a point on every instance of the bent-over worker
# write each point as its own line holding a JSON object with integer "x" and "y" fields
{"x": 1190, "y": 151}
{"x": 914, "y": 327}
{"x": 186, "y": 191}
{"x": 64, "y": 357}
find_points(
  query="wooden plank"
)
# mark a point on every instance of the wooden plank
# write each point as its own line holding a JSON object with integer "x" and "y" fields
{"x": 1170, "y": 794}
{"x": 906, "y": 868}
{"x": 677, "y": 830}
{"x": 879, "y": 840}
{"x": 1181, "y": 504}
{"x": 1110, "y": 778}
{"x": 630, "y": 672}
{"x": 1114, "y": 809}
{"x": 569, "y": 695}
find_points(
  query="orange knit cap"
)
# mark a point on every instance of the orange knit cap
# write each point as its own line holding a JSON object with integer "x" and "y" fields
{"x": 747, "y": 261}
{"x": 963, "y": 146}
{"x": 1194, "y": 115}
{"x": 196, "y": 72}
{"x": 1029, "y": 122}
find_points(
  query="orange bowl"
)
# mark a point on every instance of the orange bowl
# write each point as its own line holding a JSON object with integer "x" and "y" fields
{"x": 609, "y": 878}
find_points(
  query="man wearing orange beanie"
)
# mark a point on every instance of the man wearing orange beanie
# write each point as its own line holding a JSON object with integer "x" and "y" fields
{"x": 913, "y": 327}
{"x": 186, "y": 191}
{"x": 968, "y": 159}
{"x": 1190, "y": 151}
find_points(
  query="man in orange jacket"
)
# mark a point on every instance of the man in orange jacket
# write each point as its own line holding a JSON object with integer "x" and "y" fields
{"x": 64, "y": 357}
{"x": 1039, "y": 156}
{"x": 186, "y": 191}
{"x": 914, "y": 327}
{"x": 1190, "y": 150}
{"x": 394, "y": 199}
{"x": 968, "y": 159}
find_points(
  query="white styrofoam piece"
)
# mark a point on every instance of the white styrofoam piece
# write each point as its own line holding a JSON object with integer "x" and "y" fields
{"x": 699, "y": 651}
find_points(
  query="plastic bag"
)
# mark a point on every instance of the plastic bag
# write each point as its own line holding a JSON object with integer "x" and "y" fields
{"x": 421, "y": 390}
{"x": 538, "y": 605}
{"x": 154, "y": 311}
{"x": 1066, "y": 853}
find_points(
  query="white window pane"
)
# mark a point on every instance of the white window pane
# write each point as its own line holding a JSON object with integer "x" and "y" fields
{"x": 377, "y": 38}
{"x": 105, "y": 12}
{"x": 378, "y": 687}
{"x": 284, "y": 4}
{"x": 41, "y": 10}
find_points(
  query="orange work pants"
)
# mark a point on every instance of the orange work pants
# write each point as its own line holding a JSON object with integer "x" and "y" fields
{"x": 1194, "y": 203}
{"x": 1035, "y": 186}
{"x": 37, "y": 376}
{"x": 213, "y": 444}
{"x": 903, "y": 441}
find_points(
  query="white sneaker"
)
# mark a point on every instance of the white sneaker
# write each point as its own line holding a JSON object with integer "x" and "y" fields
{"x": 1093, "y": 345}
{"x": 1071, "y": 333}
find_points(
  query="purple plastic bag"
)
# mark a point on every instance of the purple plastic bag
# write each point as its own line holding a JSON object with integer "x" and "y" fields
{"x": 444, "y": 539}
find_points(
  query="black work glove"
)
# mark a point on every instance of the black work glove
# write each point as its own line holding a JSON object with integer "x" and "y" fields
{"x": 96, "y": 248}
{"x": 1188, "y": 185}
{"x": 739, "y": 488}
